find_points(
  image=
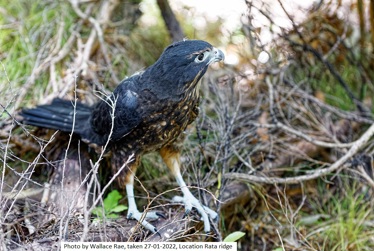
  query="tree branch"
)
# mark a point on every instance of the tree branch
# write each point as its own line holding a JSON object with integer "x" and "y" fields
{"x": 171, "y": 22}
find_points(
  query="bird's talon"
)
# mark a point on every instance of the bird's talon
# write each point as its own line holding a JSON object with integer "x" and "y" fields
{"x": 205, "y": 212}
{"x": 186, "y": 213}
{"x": 160, "y": 215}
{"x": 157, "y": 232}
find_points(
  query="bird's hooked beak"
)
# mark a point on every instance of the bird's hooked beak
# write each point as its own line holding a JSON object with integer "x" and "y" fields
{"x": 215, "y": 55}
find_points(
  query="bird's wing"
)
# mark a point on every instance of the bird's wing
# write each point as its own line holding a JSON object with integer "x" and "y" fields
{"x": 121, "y": 107}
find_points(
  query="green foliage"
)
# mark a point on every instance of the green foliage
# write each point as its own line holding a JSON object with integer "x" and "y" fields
{"x": 321, "y": 80}
{"x": 27, "y": 28}
{"x": 110, "y": 207}
{"x": 153, "y": 35}
{"x": 234, "y": 236}
{"x": 342, "y": 223}
{"x": 278, "y": 249}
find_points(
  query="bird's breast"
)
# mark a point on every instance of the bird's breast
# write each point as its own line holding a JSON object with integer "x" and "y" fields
{"x": 164, "y": 122}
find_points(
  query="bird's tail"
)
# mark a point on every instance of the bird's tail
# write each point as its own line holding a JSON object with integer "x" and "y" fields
{"x": 59, "y": 115}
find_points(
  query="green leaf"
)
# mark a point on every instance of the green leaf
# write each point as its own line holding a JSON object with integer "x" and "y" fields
{"x": 312, "y": 219}
{"x": 98, "y": 211}
{"x": 118, "y": 209}
{"x": 234, "y": 236}
{"x": 112, "y": 216}
{"x": 278, "y": 249}
{"x": 96, "y": 221}
{"x": 111, "y": 201}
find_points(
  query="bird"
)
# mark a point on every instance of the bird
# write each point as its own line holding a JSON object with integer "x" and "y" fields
{"x": 146, "y": 112}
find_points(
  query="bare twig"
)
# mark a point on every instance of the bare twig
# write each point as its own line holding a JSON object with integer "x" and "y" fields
{"x": 365, "y": 175}
{"x": 358, "y": 144}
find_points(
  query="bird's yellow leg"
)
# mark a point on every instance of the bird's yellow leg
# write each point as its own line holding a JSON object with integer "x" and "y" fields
{"x": 171, "y": 157}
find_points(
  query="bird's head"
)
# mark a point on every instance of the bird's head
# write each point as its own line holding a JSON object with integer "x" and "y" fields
{"x": 181, "y": 66}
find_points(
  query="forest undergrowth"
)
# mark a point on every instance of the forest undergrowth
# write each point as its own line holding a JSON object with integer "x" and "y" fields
{"x": 282, "y": 148}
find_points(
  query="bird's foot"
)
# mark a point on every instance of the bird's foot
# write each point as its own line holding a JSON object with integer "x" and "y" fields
{"x": 190, "y": 202}
{"x": 144, "y": 219}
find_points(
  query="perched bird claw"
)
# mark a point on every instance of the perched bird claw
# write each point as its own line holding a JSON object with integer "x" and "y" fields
{"x": 215, "y": 220}
{"x": 186, "y": 213}
{"x": 143, "y": 220}
{"x": 212, "y": 214}
{"x": 205, "y": 212}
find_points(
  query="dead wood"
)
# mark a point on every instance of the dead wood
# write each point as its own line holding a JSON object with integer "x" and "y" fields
{"x": 171, "y": 22}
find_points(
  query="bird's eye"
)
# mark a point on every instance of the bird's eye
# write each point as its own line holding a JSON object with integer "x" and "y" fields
{"x": 200, "y": 58}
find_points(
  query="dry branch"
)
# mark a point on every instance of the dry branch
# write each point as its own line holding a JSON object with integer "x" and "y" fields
{"x": 171, "y": 22}
{"x": 316, "y": 174}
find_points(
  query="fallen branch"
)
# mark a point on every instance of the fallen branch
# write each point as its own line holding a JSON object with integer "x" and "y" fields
{"x": 358, "y": 144}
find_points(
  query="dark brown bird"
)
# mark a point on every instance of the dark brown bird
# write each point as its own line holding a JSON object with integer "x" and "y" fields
{"x": 146, "y": 112}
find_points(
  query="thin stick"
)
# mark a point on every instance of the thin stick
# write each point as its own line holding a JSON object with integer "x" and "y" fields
{"x": 358, "y": 144}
